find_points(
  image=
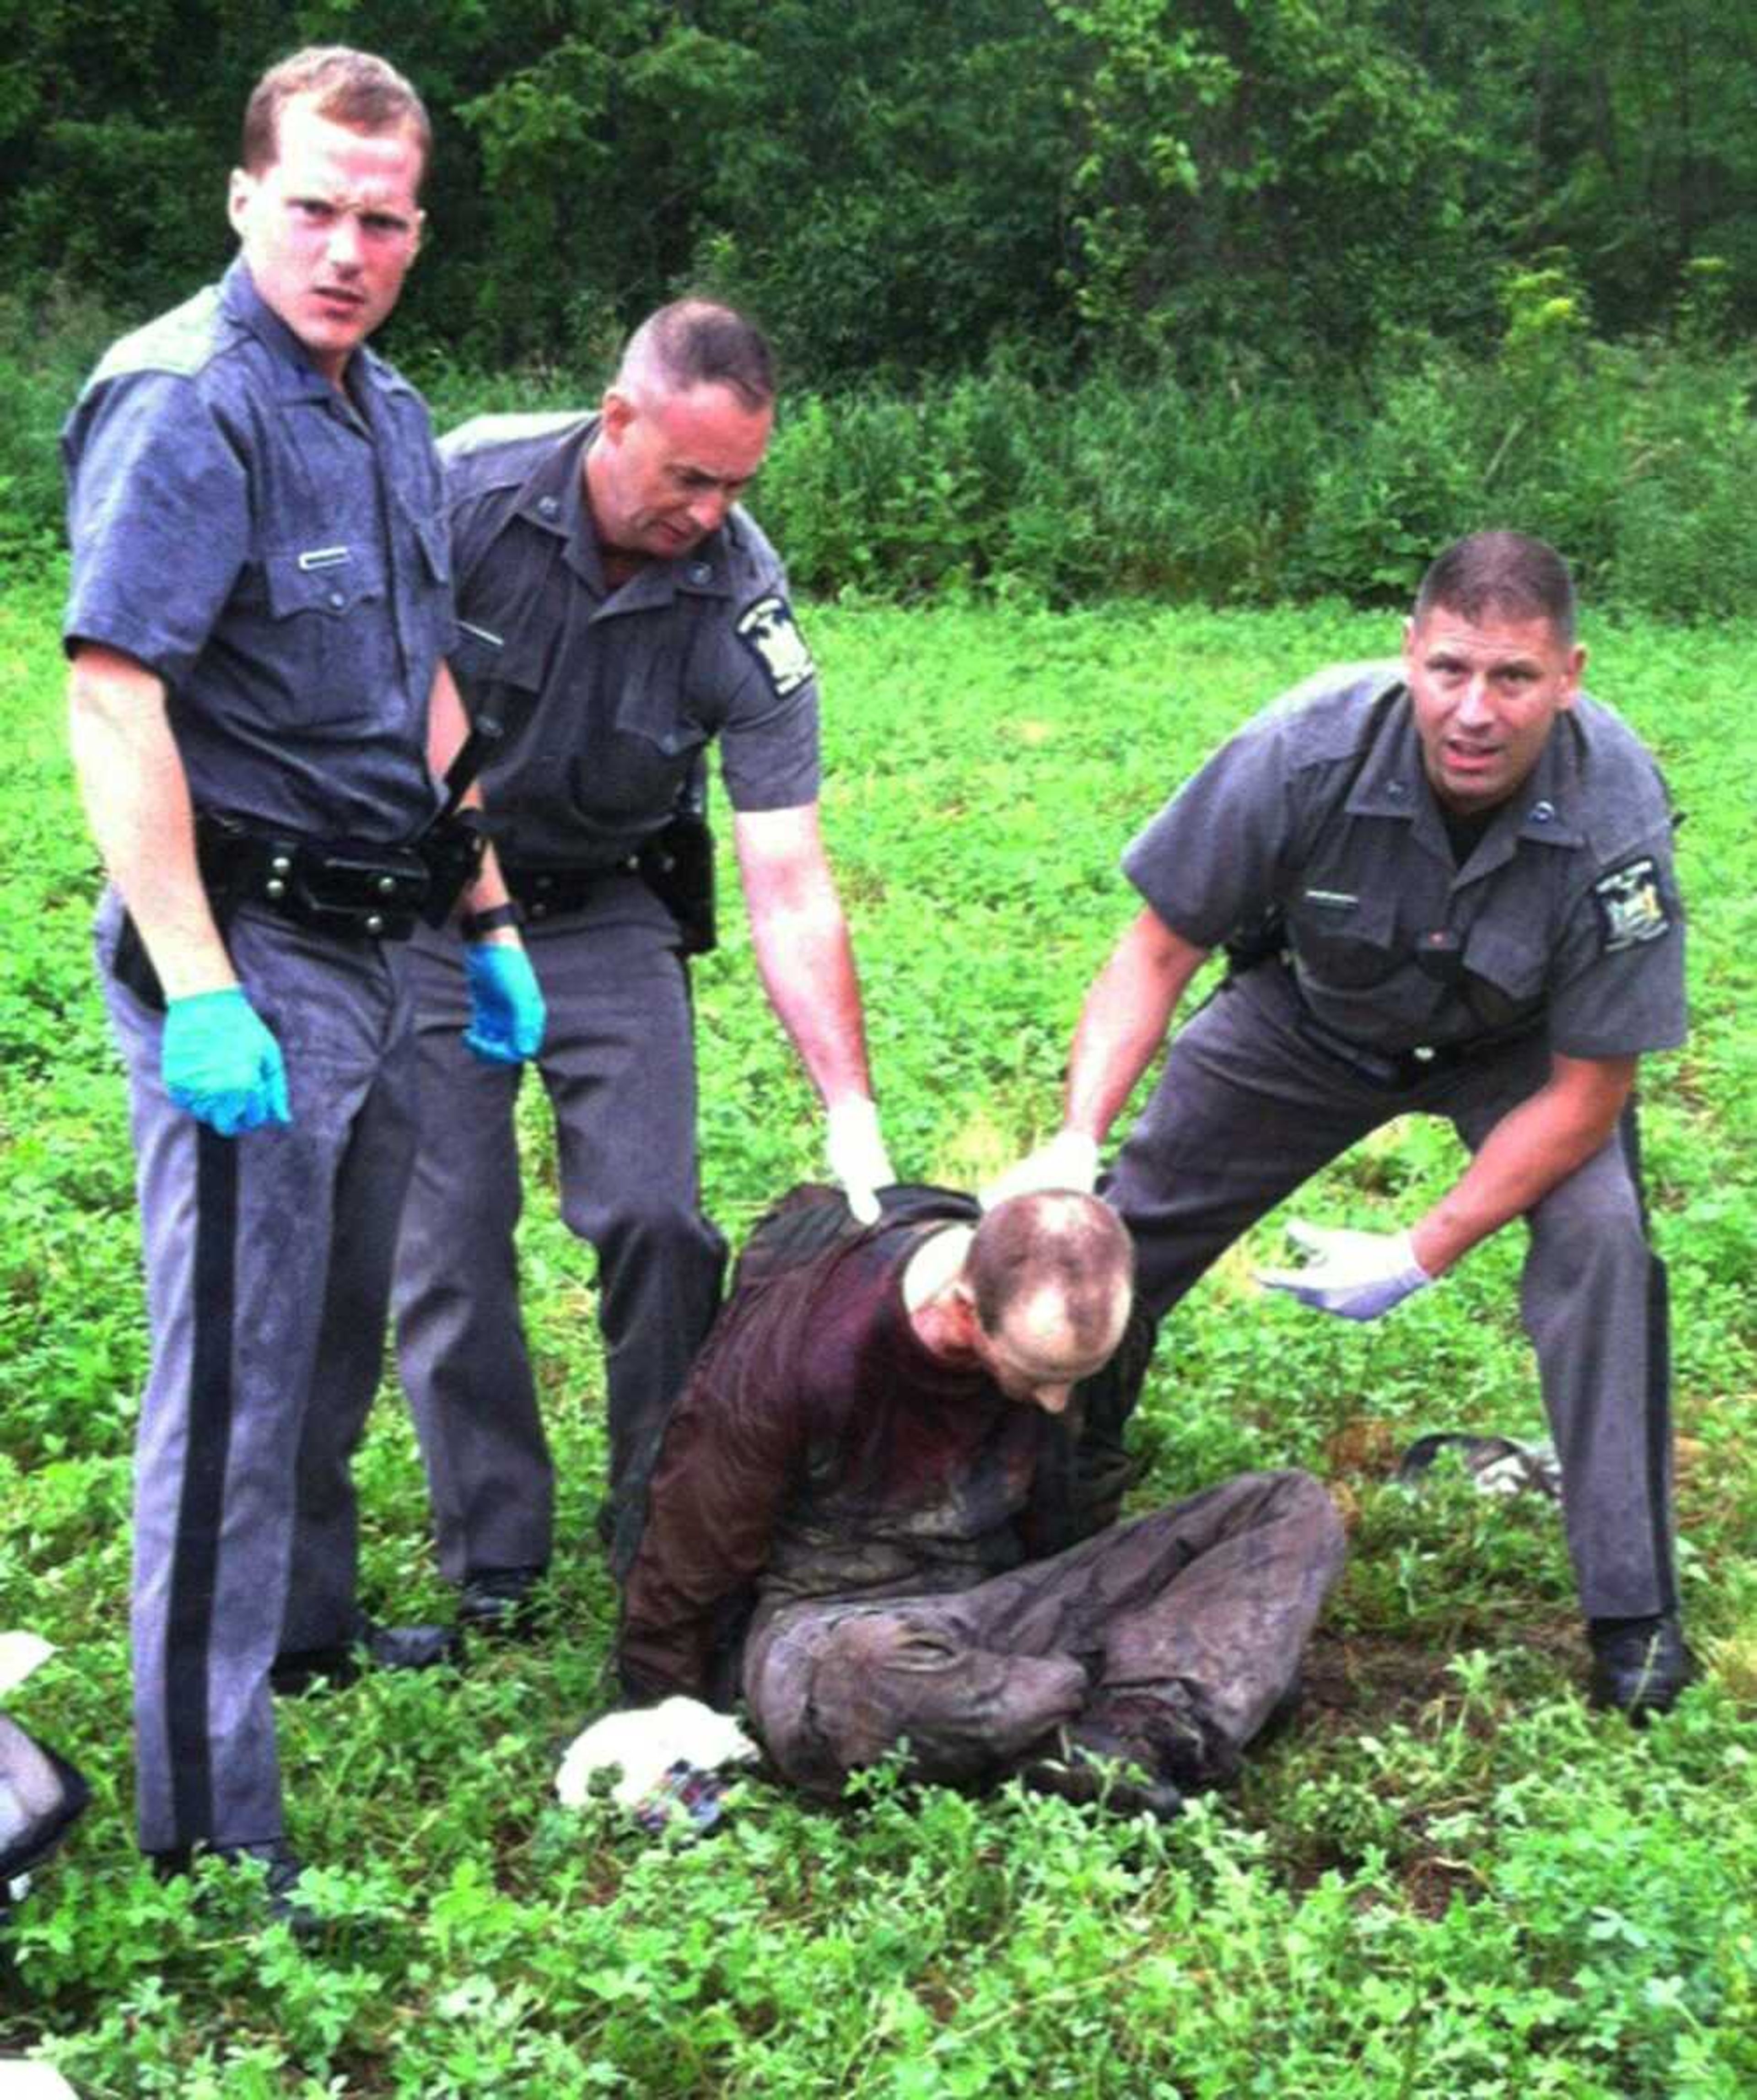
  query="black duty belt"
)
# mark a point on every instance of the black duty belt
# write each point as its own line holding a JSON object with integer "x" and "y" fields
{"x": 542, "y": 892}
{"x": 356, "y": 889}
{"x": 1397, "y": 1071}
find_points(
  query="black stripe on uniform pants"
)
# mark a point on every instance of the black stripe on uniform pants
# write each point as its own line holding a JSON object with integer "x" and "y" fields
{"x": 201, "y": 1501}
{"x": 1657, "y": 1427}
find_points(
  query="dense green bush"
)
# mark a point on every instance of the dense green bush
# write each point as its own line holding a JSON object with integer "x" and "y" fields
{"x": 1244, "y": 486}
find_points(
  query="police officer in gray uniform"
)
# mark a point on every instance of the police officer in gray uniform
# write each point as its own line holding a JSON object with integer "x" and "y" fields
{"x": 1454, "y": 878}
{"x": 618, "y": 612}
{"x": 259, "y": 605}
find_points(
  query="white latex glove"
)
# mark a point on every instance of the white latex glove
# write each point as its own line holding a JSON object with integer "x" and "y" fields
{"x": 1069, "y": 1160}
{"x": 1359, "y": 1275}
{"x": 646, "y": 1742}
{"x": 857, "y": 1156}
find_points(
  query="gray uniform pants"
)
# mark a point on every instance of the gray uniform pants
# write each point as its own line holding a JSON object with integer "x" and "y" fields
{"x": 618, "y": 1061}
{"x": 1246, "y": 1110}
{"x": 269, "y": 1273}
{"x": 1177, "y": 1634}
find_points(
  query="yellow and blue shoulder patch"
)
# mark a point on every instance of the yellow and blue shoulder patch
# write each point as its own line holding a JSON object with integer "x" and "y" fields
{"x": 1631, "y": 908}
{"x": 768, "y": 629}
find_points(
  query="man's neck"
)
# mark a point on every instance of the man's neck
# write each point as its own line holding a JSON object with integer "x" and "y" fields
{"x": 619, "y": 564}
{"x": 927, "y": 1283}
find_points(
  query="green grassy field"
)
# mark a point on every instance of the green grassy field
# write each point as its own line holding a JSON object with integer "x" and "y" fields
{"x": 1450, "y": 1879}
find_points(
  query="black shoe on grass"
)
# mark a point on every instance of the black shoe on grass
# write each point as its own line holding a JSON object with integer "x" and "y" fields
{"x": 371, "y": 1646}
{"x": 500, "y": 1601}
{"x": 1640, "y": 1666}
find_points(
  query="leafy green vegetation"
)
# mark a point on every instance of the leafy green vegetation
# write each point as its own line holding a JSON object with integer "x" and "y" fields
{"x": 901, "y": 186}
{"x": 1449, "y": 1878}
{"x": 1244, "y": 486}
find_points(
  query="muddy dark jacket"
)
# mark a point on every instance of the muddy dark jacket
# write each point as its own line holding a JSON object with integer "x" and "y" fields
{"x": 818, "y": 1451}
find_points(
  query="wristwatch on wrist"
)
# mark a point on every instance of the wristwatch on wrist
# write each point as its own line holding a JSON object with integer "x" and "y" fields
{"x": 476, "y": 923}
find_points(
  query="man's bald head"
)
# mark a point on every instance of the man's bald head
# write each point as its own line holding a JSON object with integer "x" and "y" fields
{"x": 1051, "y": 1277}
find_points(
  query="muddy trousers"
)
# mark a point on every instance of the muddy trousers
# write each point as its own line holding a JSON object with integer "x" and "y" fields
{"x": 269, "y": 1273}
{"x": 1178, "y": 1632}
{"x": 618, "y": 1065}
{"x": 1246, "y": 1110}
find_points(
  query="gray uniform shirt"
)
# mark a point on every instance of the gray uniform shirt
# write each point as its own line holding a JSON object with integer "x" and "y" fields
{"x": 608, "y": 698}
{"x": 1566, "y": 908}
{"x": 275, "y": 554}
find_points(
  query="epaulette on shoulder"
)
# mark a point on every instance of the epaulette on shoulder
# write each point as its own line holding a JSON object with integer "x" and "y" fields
{"x": 180, "y": 343}
{"x": 750, "y": 547}
{"x": 516, "y": 437}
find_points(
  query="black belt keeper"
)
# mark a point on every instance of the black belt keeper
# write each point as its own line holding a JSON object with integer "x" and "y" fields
{"x": 356, "y": 889}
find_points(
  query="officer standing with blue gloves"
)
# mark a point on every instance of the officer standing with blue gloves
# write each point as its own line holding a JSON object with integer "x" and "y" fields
{"x": 259, "y": 607}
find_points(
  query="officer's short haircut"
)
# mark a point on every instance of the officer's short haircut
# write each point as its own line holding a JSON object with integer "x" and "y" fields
{"x": 698, "y": 342}
{"x": 1053, "y": 1240}
{"x": 348, "y": 86}
{"x": 1502, "y": 575}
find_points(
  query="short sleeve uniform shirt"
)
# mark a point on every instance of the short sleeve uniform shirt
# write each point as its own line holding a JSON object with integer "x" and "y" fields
{"x": 272, "y": 551}
{"x": 608, "y": 697}
{"x": 1566, "y": 908}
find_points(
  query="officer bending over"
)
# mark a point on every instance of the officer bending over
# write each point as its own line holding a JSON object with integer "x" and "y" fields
{"x": 1453, "y": 877}
{"x": 620, "y": 611}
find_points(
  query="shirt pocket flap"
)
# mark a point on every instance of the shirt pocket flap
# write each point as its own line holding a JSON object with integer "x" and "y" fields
{"x": 1512, "y": 961}
{"x": 329, "y": 580}
{"x": 1344, "y": 938}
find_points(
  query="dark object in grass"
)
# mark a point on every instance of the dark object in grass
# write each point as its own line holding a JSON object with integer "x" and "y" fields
{"x": 282, "y": 1870}
{"x": 1640, "y": 1666}
{"x": 42, "y": 1795}
{"x": 296, "y": 1671}
{"x": 500, "y": 1600}
{"x": 1496, "y": 1465}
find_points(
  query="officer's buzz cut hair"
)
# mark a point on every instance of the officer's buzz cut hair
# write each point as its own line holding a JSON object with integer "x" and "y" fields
{"x": 1054, "y": 1240}
{"x": 348, "y": 86}
{"x": 698, "y": 342}
{"x": 1504, "y": 574}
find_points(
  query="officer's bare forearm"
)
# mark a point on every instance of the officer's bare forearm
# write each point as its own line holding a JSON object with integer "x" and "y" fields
{"x": 488, "y": 893}
{"x": 447, "y": 729}
{"x": 806, "y": 962}
{"x": 1531, "y": 1150}
{"x": 136, "y": 797}
{"x": 1125, "y": 1020}
{"x": 803, "y": 954}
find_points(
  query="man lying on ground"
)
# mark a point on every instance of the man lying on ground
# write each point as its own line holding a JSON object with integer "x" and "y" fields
{"x": 885, "y": 1510}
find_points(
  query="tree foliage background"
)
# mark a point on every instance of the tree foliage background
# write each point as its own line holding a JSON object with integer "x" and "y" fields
{"x": 901, "y": 188}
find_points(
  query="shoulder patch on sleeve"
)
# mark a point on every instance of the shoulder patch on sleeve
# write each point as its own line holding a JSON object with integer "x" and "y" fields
{"x": 1631, "y": 907}
{"x": 767, "y": 629}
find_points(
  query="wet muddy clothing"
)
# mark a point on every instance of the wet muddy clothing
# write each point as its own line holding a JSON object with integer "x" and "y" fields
{"x": 1401, "y": 982}
{"x": 868, "y": 1542}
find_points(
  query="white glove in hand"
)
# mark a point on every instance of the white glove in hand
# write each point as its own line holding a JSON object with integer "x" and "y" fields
{"x": 1359, "y": 1275}
{"x": 1069, "y": 1160}
{"x": 857, "y": 1156}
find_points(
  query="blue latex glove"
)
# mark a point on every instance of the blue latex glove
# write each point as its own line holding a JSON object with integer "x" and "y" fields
{"x": 506, "y": 1013}
{"x": 219, "y": 1062}
{"x": 1358, "y": 1275}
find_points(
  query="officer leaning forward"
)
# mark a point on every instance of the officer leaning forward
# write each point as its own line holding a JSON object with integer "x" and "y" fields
{"x": 1465, "y": 864}
{"x": 619, "y": 610}
{"x": 259, "y": 606}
